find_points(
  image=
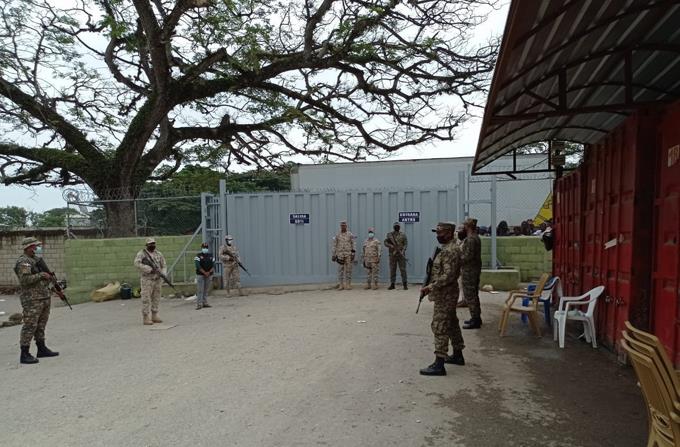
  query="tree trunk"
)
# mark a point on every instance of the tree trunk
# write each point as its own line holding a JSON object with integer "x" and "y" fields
{"x": 120, "y": 218}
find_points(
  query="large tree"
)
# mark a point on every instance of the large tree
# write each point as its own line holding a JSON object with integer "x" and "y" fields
{"x": 113, "y": 93}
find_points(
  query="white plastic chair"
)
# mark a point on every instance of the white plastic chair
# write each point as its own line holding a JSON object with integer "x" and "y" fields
{"x": 564, "y": 313}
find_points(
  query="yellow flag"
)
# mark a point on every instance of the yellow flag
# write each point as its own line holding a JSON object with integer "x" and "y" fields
{"x": 545, "y": 213}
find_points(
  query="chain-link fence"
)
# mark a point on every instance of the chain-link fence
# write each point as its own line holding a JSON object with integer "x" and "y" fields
{"x": 153, "y": 212}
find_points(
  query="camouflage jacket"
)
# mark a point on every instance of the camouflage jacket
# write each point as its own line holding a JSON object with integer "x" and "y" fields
{"x": 396, "y": 241}
{"x": 229, "y": 254}
{"x": 147, "y": 271}
{"x": 343, "y": 244}
{"x": 33, "y": 285}
{"x": 471, "y": 256}
{"x": 372, "y": 250}
{"x": 445, "y": 273}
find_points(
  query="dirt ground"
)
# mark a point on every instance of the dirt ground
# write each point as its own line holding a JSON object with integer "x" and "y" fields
{"x": 314, "y": 368}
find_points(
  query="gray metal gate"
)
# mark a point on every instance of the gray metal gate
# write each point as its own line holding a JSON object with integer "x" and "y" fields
{"x": 277, "y": 251}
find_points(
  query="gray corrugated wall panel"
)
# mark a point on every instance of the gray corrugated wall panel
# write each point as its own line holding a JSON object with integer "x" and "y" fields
{"x": 277, "y": 252}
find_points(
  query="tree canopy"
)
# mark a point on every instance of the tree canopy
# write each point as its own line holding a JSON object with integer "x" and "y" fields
{"x": 113, "y": 93}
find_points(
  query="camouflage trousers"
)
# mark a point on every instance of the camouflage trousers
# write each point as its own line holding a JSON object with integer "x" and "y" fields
{"x": 372, "y": 272}
{"x": 36, "y": 313}
{"x": 231, "y": 276}
{"x": 151, "y": 294}
{"x": 470, "y": 282}
{"x": 394, "y": 261}
{"x": 445, "y": 326}
{"x": 345, "y": 270}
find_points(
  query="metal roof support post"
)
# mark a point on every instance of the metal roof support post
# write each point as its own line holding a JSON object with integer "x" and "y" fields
{"x": 204, "y": 216}
{"x": 494, "y": 260}
{"x": 223, "y": 210}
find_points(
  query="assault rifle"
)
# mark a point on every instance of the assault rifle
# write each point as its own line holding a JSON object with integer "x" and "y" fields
{"x": 396, "y": 250}
{"x": 244, "y": 269}
{"x": 428, "y": 275}
{"x": 147, "y": 260}
{"x": 58, "y": 286}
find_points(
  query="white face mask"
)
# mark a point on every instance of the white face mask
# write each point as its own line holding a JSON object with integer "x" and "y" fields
{"x": 38, "y": 251}
{"x": 370, "y": 235}
{"x": 228, "y": 241}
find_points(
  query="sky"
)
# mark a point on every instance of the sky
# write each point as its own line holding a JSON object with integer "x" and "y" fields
{"x": 42, "y": 198}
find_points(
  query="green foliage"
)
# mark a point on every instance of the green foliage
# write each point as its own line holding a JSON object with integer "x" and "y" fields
{"x": 13, "y": 217}
{"x": 56, "y": 217}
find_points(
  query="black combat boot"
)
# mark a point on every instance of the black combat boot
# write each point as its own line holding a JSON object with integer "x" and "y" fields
{"x": 26, "y": 356}
{"x": 473, "y": 323}
{"x": 44, "y": 351}
{"x": 391, "y": 287}
{"x": 405, "y": 286}
{"x": 435, "y": 369}
{"x": 456, "y": 358}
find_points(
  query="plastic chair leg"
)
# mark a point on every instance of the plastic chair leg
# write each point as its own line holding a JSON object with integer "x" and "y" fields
{"x": 593, "y": 334}
{"x": 555, "y": 326}
{"x": 546, "y": 312}
{"x": 563, "y": 330}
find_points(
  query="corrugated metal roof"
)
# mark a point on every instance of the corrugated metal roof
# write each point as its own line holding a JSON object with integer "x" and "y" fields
{"x": 572, "y": 70}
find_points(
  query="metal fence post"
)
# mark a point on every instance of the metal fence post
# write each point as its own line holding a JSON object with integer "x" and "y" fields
{"x": 134, "y": 203}
{"x": 494, "y": 260}
{"x": 462, "y": 196}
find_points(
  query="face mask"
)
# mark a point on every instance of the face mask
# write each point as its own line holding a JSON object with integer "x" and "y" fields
{"x": 38, "y": 251}
{"x": 462, "y": 235}
{"x": 151, "y": 247}
{"x": 204, "y": 251}
{"x": 395, "y": 228}
{"x": 370, "y": 235}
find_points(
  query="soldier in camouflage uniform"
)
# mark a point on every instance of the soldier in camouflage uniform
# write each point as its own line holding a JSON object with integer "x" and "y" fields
{"x": 35, "y": 300}
{"x": 230, "y": 257}
{"x": 443, "y": 291}
{"x": 396, "y": 243}
{"x": 471, "y": 269}
{"x": 371, "y": 259}
{"x": 150, "y": 280}
{"x": 343, "y": 252}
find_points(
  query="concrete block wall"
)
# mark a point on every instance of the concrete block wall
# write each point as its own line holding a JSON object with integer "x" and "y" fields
{"x": 53, "y": 247}
{"x": 91, "y": 264}
{"x": 525, "y": 253}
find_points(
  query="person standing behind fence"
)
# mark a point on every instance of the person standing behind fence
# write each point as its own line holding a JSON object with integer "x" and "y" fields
{"x": 371, "y": 259}
{"x": 343, "y": 252}
{"x": 229, "y": 255}
{"x": 396, "y": 243}
{"x": 35, "y": 301}
{"x": 471, "y": 269}
{"x": 205, "y": 267}
{"x": 150, "y": 262}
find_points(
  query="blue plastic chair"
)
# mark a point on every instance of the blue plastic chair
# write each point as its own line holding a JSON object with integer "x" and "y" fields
{"x": 553, "y": 285}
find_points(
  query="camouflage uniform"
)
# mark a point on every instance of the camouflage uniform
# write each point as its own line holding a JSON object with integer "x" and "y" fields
{"x": 35, "y": 300}
{"x": 471, "y": 269}
{"x": 371, "y": 256}
{"x": 231, "y": 275}
{"x": 150, "y": 281}
{"x": 343, "y": 249}
{"x": 396, "y": 242}
{"x": 444, "y": 293}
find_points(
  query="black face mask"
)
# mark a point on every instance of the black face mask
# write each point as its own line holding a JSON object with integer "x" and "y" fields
{"x": 442, "y": 239}
{"x": 396, "y": 228}
{"x": 151, "y": 247}
{"x": 462, "y": 235}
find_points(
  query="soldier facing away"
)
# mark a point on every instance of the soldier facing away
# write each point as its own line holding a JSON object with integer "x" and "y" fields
{"x": 396, "y": 243}
{"x": 371, "y": 259}
{"x": 471, "y": 270}
{"x": 343, "y": 252}
{"x": 230, "y": 257}
{"x": 150, "y": 262}
{"x": 205, "y": 266}
{"x": 443, "y": 291}
{"x": 35, "y": 301}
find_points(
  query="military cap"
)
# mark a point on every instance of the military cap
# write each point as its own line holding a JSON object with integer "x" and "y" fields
{"x": 204, "y": 244}
{"x": 471, "y": 222}
{"x": 150, "y": 240}
{"x": 29, "y": 241}
{"x": 397, "y": 223}
{"x": 343, "y": 222}
{"x": 445, "y": 226}
{"x": 229, "y": 237}
{"x": 371, "y": 229}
